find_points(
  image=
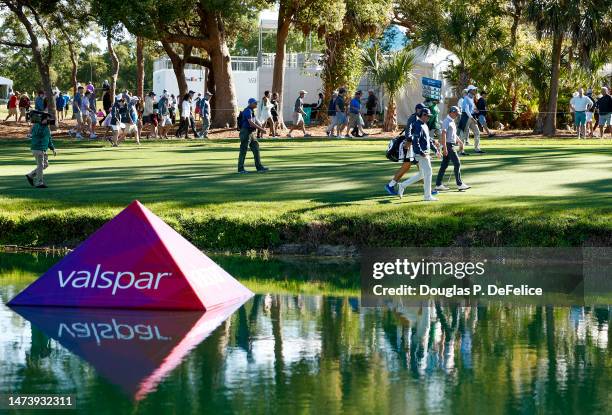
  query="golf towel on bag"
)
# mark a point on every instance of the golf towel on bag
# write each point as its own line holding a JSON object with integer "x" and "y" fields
{"x": 463, "y": 121}
{"x": 396, "y": 151}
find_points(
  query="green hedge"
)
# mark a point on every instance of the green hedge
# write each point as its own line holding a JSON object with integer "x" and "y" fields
{"x": 218, "y": 233}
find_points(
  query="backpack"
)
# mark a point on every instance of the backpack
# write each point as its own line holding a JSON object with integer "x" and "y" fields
{"x": 239, "y": 121}
{"x": 394, "y": 148}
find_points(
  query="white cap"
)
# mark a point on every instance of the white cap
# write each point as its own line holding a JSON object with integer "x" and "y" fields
{"x": 471, "y": 88}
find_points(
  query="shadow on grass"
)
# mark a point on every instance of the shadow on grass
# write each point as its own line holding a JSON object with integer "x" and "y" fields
{"x": 334, "y": 177}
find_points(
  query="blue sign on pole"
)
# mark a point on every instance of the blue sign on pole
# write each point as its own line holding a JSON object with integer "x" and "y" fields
{"x": 432, "y": 88}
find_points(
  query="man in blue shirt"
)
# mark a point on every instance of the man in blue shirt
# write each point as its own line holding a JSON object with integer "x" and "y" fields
{"x": 421, "y": 146}
{"x": 248, "y": 125}
{"x": 356, "y": 122}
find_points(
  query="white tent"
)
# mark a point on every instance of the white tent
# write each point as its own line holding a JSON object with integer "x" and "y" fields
{"x": 6, "y": 87}
{"x": 431, "y": 63}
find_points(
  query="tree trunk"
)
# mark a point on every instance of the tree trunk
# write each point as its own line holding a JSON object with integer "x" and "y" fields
{"x": 278, "y": 76}
{"x": 390, "y": 123}
{"x": 539, "y": 123}
{"x": 140, "y": 67}
{"x": 221, "y": 63}
{"x": 41, "y": 63}
{"x": 114, "y": 64}
{"x": 75, "y": 67}
{"x": 178, "y": 66}
{"x": 45, "y": 78}
{"x": 550, "y": 122}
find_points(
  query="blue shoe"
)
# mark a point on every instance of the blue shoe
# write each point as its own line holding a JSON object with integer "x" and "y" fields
{"x": 391, "y": 190}
{"x": 434, "y": 192}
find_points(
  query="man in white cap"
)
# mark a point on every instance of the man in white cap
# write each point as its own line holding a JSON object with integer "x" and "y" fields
{"x": 298, "y": 115}
{"x": 467, "y": 121}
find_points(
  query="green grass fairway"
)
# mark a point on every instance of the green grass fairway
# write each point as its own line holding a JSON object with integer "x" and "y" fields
{"x": 525, "y": 191}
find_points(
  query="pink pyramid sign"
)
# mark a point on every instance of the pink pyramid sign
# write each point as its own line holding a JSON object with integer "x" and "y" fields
{"x": 135, "y": 261}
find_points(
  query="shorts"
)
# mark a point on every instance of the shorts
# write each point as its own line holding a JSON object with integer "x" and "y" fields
{"x": 117, "y": 127}
{"x": 580, "y": 118}
{"x": 482, "y": 120}
{"x": 340, "y": 118}
{"x": 297, "y": 118}
{"x": 589, "y": 116}
{"x": 12, "y": 111}
{"x": 605, "y": 119}
{"x": 355, "y": 120}
{"x": 131, "y": 128}
{"x": 165, "y": 120}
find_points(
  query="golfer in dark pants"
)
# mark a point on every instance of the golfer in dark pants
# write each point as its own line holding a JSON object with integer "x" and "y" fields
{"x": 248, "y": 126}
{"x": 449, "y": 141}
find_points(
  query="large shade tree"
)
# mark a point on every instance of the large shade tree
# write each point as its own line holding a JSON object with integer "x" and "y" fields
{"x": 35, "y": 18}
{"x": 305, "y": 15}
{"x": 342, "y": 64}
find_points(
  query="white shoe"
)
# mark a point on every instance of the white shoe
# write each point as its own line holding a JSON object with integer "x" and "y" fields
{"x": 463, "y": 187}
{"x": 430, "y": 199}
{"x": 400, "y": 191}
{"x": 441, "y": 188}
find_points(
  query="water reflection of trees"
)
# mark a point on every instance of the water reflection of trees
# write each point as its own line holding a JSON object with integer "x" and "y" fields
{"x": 291, "y": 354}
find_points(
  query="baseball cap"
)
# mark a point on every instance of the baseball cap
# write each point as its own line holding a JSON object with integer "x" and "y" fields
{"x": 303, "y": 91}
{"x": 454, "y": 108}
{"x": 252, "y": 101}
{"x": 471, "y": 88}
{"x": 425, "y": 111}
{"x": 419, "y": 107}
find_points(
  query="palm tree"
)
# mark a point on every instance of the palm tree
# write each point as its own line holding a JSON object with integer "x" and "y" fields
{"x": 394, "y": 73}
{"x": 582, "y": 22}
{"x": 538, "y": 71}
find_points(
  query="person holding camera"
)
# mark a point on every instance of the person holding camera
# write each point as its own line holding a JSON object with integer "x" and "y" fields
{"x": 41, "y": 142}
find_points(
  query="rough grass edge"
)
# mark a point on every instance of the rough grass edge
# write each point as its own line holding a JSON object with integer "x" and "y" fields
{"x": 306, "y": 235}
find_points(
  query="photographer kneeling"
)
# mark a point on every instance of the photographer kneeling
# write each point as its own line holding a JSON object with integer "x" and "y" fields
{"x": 41, "y": 142}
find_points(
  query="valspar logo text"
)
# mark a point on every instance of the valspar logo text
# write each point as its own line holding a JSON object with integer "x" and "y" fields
{"x": 111, "y": 280}
{"x": 110, "y": 331}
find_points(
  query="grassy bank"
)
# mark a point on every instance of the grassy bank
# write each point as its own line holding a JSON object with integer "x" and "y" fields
{"x": 525, "y": 192}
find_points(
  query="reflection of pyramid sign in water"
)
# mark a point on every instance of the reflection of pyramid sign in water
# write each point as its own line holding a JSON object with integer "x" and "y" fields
{"x": 134, "y": 349}
{"x": 135, "y": 261}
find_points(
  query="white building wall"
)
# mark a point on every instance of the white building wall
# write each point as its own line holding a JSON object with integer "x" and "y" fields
{"x": 164, "y": 78}
{"x": 246, "y": 86}
{"x": 296, "y": 79}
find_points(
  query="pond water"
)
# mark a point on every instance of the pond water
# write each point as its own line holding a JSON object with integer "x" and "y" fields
{"x": 304, "y": 345}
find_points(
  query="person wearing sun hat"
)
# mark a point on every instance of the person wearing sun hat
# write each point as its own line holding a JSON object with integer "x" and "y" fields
{"x": 248, "y": 125}
{"x": 298, "y": 115}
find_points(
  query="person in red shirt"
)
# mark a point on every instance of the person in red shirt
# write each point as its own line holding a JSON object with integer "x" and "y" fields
{"x": 24, "y": 106}
{"x": 12, "y": 107}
